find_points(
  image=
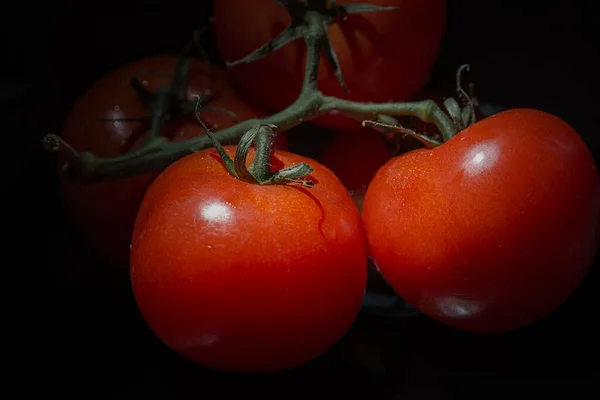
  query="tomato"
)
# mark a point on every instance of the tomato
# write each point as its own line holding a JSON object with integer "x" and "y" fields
{"x": 355, "y": 157}
{"x": 384, "y": 56}
{"x": 105, "y": 212}
{"x": 492, "y": 230}
{"x": 247, "y": 277}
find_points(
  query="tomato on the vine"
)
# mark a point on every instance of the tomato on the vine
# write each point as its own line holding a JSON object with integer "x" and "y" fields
{"x": 355, "y": 157}
{"x": 492, "y": 230}
{"x": 383, "y": 55}
{"x": 247, "y": 277}
{"x": 105, "y": 212}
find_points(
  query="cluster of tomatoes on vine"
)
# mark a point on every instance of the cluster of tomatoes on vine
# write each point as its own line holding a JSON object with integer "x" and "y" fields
{"x": 238, "y": 263}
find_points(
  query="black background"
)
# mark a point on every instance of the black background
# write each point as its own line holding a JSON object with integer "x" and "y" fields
{"x": 76, "y": 329}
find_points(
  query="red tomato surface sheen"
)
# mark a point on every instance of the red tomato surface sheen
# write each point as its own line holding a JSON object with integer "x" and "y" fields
{"x": 105, "y": 212}
{"x": 247, "y": 277}
{"x": 354, "y": 157}
{"x": 494, "y": 229}
{"x": 384, "y": 55}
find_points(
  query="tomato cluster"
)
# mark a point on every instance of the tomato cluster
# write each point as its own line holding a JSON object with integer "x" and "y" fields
{"x": 489, "y": 231}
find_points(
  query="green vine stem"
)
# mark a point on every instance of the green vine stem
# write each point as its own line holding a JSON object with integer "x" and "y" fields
{"x": 159, "y": 153}
{"x": 259, "y": 172}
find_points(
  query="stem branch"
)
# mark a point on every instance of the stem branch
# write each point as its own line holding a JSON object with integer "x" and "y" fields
{"x": 158, "y": 153}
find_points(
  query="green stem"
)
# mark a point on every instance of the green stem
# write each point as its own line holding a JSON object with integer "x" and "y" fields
{"x": 426, "y": 110}
{"x": 314, "y": 37}
{"x": 262, "y": 135}
{"x": 179, "y": 83}
{"x": 241, "y": 156}
{"x": 159, "y": 114}
{"x": 261, "y": 165}
{"x": 158, "y": 153}
{"x": 305, "y": 108}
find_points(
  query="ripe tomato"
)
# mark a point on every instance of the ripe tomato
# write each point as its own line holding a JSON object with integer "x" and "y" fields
{"x": 247, "y": 277}
{"x": 385, "y": 55}
{"x": 354, "y": 157}
{"x": 492, "y": 230}
{"x": 105, "y": 212}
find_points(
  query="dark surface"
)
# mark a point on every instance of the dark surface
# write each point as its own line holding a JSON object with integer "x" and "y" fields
{"x": 77, "y": 328}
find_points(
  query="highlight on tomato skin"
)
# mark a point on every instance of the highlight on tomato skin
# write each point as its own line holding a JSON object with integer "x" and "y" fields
{"x": 384, "y": 56}
{"x": 105, "y": 211}
{"x": 493, "y": 230}
{"x": 245, "y": 277}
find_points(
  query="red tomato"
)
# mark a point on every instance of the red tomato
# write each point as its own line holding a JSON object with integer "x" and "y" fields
{"x": 383, "y": 56}
{"x": 355, "y": 157}
{"x": 247, "y": 277}
{"x": 492, "y": 230}
{"x": 105, "y": 212}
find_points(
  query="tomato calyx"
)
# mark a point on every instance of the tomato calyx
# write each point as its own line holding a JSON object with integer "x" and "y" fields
{"x": 310, "y": 19}
{"x": 263, "y": 136}
{"x": 259, "y": 171}
{"x": 464, "y": 116}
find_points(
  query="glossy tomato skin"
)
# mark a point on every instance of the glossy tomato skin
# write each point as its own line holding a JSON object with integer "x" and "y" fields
{"x": 105, "y": 212}
{"x": 384, "y": 56}
{"x": 494, "y": 229}
{"x": 355, "y": 157}
{"x": 247, "y": 277}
